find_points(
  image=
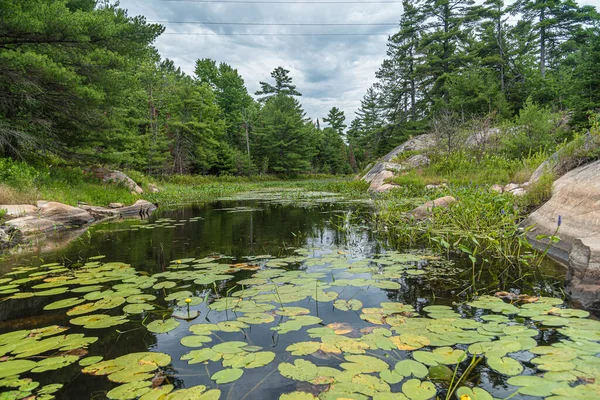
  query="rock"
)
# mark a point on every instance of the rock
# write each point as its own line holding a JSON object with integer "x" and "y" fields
{"x": 115, "y": 205}
{"x": 518, "y": 192}
{"x": 4, "y": 238}
{"x": 583, "y": 276}
{"x": 140, "y": 208}
{"x": 51, "y": 216}
{"x": 118, "y": 177}
{"x": 497, "y": 188}
{"x": 425, "y": 210}
{"x": 418, "y": 160}
{"x": 419, "y": 143}
{"x": 566, "y": 159}
{"x": 386, "y": 187}
{"x": 153, "y": 189}
{"x": 483, "y": 137}
{"x": 510, "y": 186}
{"x": 434, "y": 186}
{"x": 18, "y": 210}
{"x": 379, "y": 180}
{"x": 576, "y": 198}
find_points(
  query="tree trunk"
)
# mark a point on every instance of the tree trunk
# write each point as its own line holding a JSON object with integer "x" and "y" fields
{"x": 542, "y": 45}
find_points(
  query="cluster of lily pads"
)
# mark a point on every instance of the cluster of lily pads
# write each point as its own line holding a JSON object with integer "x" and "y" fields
{"x": 536, "y": 345}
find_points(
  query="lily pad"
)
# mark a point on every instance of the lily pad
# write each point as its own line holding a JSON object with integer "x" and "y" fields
{"x": 416, "y": 390}
{"x": 473, "y": 394}
{"x": 53, "y": 363}
{"x": 15, "y": 367}
{"x": 227, "y": 375}
{"x": 163, "y": 326}
{"x": 64, "y": 303}
{"x": 505, "y": 365}
{"x": 301, "y": 370}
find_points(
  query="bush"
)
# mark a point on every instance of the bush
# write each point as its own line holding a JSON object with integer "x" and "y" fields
{"x": 533, "y": 130}
{"x": 17, "y": 173}
{"x": 539, "y": 192}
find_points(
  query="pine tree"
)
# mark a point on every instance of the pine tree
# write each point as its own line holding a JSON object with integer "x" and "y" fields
{"x": 335, "y": 118}
{"x": 283, "y": 141}
{"x": 283, "y": 85}
{"x": 448, "y": 27}
{"x": 556, "y": 23}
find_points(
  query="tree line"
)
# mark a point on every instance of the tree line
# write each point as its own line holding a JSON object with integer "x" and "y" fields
{"x": 480, "y": 61}
{"x": 80, "y": 81}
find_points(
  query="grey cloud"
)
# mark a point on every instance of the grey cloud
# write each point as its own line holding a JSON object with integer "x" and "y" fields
{"x": 328, "y": 70}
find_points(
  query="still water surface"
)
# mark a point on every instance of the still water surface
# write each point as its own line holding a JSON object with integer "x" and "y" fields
{"x": 326, "y": 243}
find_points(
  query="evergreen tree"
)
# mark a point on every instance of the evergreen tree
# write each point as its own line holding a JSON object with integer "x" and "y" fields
{"x": 448, "y": 25}
{"x": 283, "y": 85}
{"x": 231, "y": 95}
{"x": 556, "y": 24}
{"x": 283, "y": 142}
{"x": 335, "y": 118}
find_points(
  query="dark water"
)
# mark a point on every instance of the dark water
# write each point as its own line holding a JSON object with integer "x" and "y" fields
{"x": 240, "y": 230}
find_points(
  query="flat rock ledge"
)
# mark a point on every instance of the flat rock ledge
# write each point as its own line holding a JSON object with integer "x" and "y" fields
{"x": 49, "y": 217}
{"x": 576, "y": 199}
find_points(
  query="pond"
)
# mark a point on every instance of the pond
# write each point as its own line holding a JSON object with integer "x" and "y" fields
{"x": 261, "y": 298}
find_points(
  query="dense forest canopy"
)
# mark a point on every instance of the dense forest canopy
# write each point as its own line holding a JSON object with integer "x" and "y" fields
{"x": 81, "y": 81}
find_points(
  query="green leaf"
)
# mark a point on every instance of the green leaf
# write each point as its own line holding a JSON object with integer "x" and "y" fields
{"x": 227, "y": 375}
{"x": 416, "y": 390}
{"x": 229, "y": 347}
{"x": 15, "y": 367}
{"x": 474, "y": 394}
{"x": 303, "y": 348}
{"x": 52, "y": 363}
{"x": 64, "y": 303}
{"x": 505, "y": 365}
{"x": 195, "y": 340}
{"x": 301, "y": 370}
{"x": 411, "y": 367}
{"x": 163, "y": 326}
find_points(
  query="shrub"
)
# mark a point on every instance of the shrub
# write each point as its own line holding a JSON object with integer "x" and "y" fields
{"x": 17, "y": 173}
{"x": 533, "y": 130}
{"x": 539, "y": 192}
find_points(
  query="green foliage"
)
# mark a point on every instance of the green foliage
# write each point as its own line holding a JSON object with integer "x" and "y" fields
{"x": 534, "y": 129}
{"x": 541, "y": 191}
{"x": 283, "y": 142}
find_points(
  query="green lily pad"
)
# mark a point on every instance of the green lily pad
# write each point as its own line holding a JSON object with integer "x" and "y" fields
{"x": 301, "y": 370}
{"x": 90, "y": 360}
{"x": 15, "y": 367}
{"x": 99, "y": 321}
{"x": 346, "y": 305}
{"x": 227, "y": 375}
{"x": 65, "y": 303}
{"x": 163, "y": 326}
{"x": 391, "y": 376}
{"x": 303, "y": 348}
{"x": 411, "y": 367}
{"x": 137, "y": 308}
{"x": 261, "y": 359}
{"x": 52, "y": 363}
{"x": 505, "y": 365}
{"x": 473, "y": 394}
{"x": 364, "y": 364}
{"x": 297, "y": 396}
{"x": 416, "y": 390}
{"x": 230, "y": 347}
{"x": 195, "y": 340}
{"x": 129, "y": 391}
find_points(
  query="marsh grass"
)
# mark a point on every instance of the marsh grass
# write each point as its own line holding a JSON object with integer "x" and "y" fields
{"x": 481, "y": 222}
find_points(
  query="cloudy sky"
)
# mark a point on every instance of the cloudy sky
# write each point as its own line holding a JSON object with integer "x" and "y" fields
{"x": 329, "y": 70}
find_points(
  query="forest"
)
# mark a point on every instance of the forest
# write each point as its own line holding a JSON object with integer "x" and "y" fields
{"x": 82, "y": 84}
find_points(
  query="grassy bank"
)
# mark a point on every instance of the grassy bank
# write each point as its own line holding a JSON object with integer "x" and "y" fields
{"x": 22, "y": 183}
